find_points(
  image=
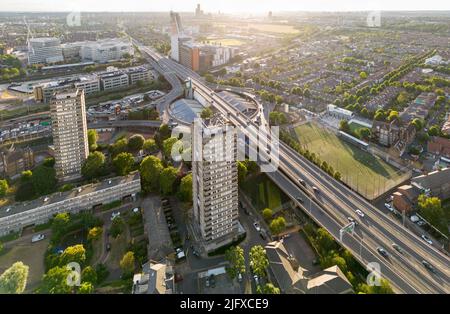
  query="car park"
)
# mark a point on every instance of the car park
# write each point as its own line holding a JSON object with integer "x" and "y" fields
{"x": 427, "y": 239}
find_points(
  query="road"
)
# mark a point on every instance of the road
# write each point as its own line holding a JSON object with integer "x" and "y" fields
{"x": 337, "y": 202}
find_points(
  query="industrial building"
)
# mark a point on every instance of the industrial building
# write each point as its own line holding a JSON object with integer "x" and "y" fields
{"x": 44, "y": 50}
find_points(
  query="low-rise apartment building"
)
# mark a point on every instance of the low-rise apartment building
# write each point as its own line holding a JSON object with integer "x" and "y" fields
{"x": 113, "y": 80}
{"x": 40, "y": 211}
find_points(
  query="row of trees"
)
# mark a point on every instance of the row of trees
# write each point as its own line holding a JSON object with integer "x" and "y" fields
{"x": 40, "y": 181}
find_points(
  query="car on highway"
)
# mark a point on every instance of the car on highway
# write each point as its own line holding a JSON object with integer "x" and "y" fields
{"x": 302, "y": 182}
{"x": 427, "y": 239}
{"x": 397, "y": 248}
{"x": 352, "y": 220}
{"x": 428, "y": 266}
{"x": 257, "y": 226}
{"x": 316, "y": 190}
{"x": 360, "y": 213}
{"x": 389, "y": 207}
{"x": 299, "y": 199}
{"x": 382, "y": 252}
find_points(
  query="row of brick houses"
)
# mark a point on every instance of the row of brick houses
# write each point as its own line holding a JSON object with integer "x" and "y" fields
{"x": 436, "y": 183}
{"x": 439, "y": 146}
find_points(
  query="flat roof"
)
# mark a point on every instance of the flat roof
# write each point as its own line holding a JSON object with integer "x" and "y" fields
{"x": 61, "y": 196}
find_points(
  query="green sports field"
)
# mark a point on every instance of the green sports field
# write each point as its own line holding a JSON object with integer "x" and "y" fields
{"x": 362, "y": 171}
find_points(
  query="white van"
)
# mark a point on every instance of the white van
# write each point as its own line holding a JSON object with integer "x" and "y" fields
{"x": 37, "y": 237}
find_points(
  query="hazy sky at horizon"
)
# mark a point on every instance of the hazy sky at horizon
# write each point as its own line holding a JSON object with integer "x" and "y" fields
{"x": 228, "y": 6}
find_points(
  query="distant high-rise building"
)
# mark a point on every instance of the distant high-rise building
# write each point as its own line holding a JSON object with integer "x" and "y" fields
{"x": 69, "y": 127}
{"x": 44, "y": 50}
{"x": 198, "y": 11}
{"x": 215, "y": 181}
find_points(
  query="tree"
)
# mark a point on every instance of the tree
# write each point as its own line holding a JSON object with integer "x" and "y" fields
{"x": 26, "y": 176}
{"x": 168, "y": 145}
{"x": 86, "y": 288}
{"x": 135, "y": 143}
{"x": 93, "y": 165}
{"x": 150, "y": 146}
{"x": 60, "y": 224}
{"x": 277, "y": 225}
{"x": 267, "y": 213}
{"x": 49, "y": 162}
{"x": 392, "y": 115}
{"x": 127, "y": 263}
{"x": 3, "y": 188}
{"x": 268, "y": 288}
{"x": 119, "y": 146}
{"x": 89, "y": 274}
{"x": 242, "y": 171}
{"x": 383, "y": 288}
{"x": 206, "y": 113}
{"x": 92, "y": 139}
{"x": 343, "y": 126}
{"x": 258, "y": 260}
{"x": 363, "y": 75}
{"x": 431, "y": 210}
{"x": 75, "y": 253}
{"x": 434, "y": 130}
{"x": 14, "y": 279}
{"x": 167, "y": 180}
{"x": 364, "y": 133}
{"x": 117, "y": 227}
{"x": 123, "y": 163}
{"x": 44, "y": 180}
{"x": 380, "y": 115}
{"x": 235, "y": 256}
{"x": 325, "y": 241}
{"x": 94, "y": 233}
{"x": 55, "y": 281}
{"x": 186, "y": 188}
{"x": 150, "y": 170}
{"x": 418, "y": 124}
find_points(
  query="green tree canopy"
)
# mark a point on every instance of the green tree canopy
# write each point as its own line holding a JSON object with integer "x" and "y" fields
{"x": 3, "y": 187}
{"x": 75, "y": 253}
{"x": 94, "y": 233}
{"x": 268, "y": 288}
{"x": 150, "y": 170}
{"x": 127, "y": 263}
{"x": 89, "y": 274}
{"x": 150, "y": 146}
{"x": 120, "y": 146}
{"x": 123, "y": 163}
{"x": 186, "y": 188}
{"x": 167, "y": 146}
{"x": 55, "y": 281}
{"x": 206, "y": 113}
{"x": 60, "y": 224}
{"x": 14, "y": 279}
{"x": 92, "y": 139}
{"x": 86, "y": 288}
{"x": 167, "y": 179}
{"x": 258, "y": 260}
{"x": 235, "y": 256}
{"x": 135, "y": 143}
{"x": 277, "y": 225}
{"x": 44, "y": 180}
{"x": 267, "y": 213}
{"x": 431, "y": 210}
{"x": 93, "y": 165}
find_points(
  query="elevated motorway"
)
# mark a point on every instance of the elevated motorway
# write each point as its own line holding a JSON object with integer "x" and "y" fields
{"x": 335, "y": 202}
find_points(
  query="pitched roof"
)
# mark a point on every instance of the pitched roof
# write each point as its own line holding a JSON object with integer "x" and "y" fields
{"x": 330, "y": 281}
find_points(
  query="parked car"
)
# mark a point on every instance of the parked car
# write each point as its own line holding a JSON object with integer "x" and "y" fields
{"x": 261, "y": 234}
{"x": 136, "y": 210}
{"x": 428, "y": 266}
{"x": 8, "y": 210}
{"x": 360, "y": 213}
{"x": 114, "y": 215}
{"x": 212, "y": 280}
{"x": 255, "y": 277}
{"x": 427, "y": 239}
{"x": 397, "y": 248}
{"x": 37, "y": 237}
{"x": 389, "y": 207}
{"x": 382, "y": 252}
{"x": 246, "y": 211}
{"x": 207, "y": 282}
{"x": 421, "y": 223}
{"x": 389, "y": 198}
{"x": 195, "y": 253}
{"x": 108, "y": 247}
{"x": 239, "y": 277}
{"x": 257, "y": 226}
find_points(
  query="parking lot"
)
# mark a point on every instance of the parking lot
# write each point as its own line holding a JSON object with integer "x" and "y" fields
{"x": 218, "y": 284}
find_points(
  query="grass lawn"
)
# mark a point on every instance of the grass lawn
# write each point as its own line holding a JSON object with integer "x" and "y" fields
{"x": 358, "y": 168}
{"x": 263, "y": 192}
{"x": 32, "y": 255}
{"x": 355, "y": 127}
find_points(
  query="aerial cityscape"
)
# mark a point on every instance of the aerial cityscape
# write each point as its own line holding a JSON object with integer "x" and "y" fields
{"x": 230, "y": 148}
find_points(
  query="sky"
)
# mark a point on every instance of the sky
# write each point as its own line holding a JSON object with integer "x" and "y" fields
{"x": 225, "y": 6}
